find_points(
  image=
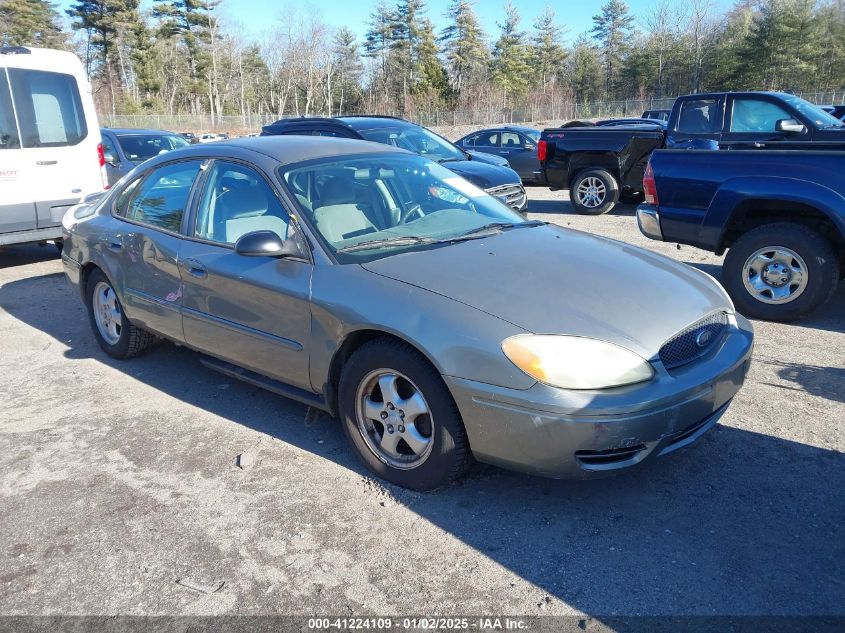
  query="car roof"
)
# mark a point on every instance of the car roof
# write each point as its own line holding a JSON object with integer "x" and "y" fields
{"x": 371, "y": 122}
{"x": 133, "y": 130}
{"x": 288, "y": 149}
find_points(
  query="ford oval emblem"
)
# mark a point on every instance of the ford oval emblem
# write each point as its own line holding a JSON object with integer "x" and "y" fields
{"x": 703, "y": 338}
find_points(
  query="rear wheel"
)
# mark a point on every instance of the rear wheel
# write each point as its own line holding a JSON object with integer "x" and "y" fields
{"x": 400, "y": 417}
{"x": 116, "y": 335}
{"x": 594, "y": 192}
{"x": 780, "y": 272}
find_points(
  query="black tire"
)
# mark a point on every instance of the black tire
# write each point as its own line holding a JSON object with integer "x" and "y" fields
{"x": 609, "y": 198}
{"x": 59, "y": 244}
{"x": 822, "y": 269}
{"x": 448, "y": 456}
{"x": 132, "y": 340}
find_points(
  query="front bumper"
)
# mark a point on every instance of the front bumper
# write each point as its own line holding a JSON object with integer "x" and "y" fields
{"x": 648, "y": 220}
{"x": 578, "y": 434}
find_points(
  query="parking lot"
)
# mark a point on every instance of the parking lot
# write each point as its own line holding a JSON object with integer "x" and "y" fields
{"x": 155, "y": 486}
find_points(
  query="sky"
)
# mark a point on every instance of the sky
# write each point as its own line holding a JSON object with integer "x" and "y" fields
{"x": 258, "y": 16}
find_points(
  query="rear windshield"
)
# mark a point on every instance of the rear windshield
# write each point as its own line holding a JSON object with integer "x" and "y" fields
{"x": 141, "y": 147}
{"x": 48, "y": 108}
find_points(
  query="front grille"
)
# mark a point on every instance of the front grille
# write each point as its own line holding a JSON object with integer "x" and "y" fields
{"x": 511, "y": 195}
{"x": 695, "y": 341}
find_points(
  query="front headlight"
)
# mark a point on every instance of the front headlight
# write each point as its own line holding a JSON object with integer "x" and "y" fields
{"x": 574, "y": 362}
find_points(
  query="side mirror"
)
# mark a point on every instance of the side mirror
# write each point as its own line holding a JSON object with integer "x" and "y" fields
{"x": 790, "y": 126}
{"x": 110, "y": 158}
{"x": 265, "y": 244}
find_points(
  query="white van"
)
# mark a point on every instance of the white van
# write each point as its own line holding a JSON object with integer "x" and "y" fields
{"x": 50, "y": 151}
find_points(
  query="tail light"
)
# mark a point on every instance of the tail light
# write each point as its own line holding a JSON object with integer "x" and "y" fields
{"x": 650, "y": 187}
{"x": 101, "y": 157}
{"x": 541, "y": 150}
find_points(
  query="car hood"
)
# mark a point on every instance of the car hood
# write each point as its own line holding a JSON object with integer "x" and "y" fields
{"x": 483, "y": 174}
{"x": 490, "y": 159}
{"x": 549, "y": 280}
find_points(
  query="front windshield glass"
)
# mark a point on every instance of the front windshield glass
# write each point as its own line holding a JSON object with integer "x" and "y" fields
{"x": 533, "y": 134}
{"x": 377, "y": 205}
{"x": 814, "y": 113}
{"x": 141, "y": 147}
{"x": 415, "y": 139}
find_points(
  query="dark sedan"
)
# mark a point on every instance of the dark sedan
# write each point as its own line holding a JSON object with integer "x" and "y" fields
{"x": 515, "y": 143}
{"x": 124, "y": 148}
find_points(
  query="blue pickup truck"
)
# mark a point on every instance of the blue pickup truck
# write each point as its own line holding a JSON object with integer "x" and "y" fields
{"x": 779, "y": 214}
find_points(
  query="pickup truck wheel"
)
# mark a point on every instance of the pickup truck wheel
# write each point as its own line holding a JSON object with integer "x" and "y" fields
{"x": 780, "y": 272}
{"x": 594, "y": 192}
{"x": 400, "y": 417}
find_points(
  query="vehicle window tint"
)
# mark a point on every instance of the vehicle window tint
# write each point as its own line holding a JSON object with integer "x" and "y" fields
{"x": 700, "y": 116}
{"x": 511, "y": 140}
{"x": 8, "y": 128}
{"x": 163, "y": 195}
{"x": 108, "y": 146}
{"x": 48, "y": 107}
{"x": 122, "y": 202}
{"x": 487, "y": 139}
{"x": 237, "y": 201}
{"x": 756, "y": 115}
{"x": 141, "y": 147}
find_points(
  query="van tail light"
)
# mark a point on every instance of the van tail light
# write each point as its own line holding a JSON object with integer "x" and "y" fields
{"x": 101, "y": 157}
{"x": 650, "y": 187}
{"x": 542, "y": 149}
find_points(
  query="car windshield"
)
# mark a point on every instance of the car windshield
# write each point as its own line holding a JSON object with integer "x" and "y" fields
{"x": 415, "y": 139}
{"x": 141, "y": 147}
{"x": 369, "y": 207}
{"x": 532, "y": 134}
{"x": 818, "y": 116}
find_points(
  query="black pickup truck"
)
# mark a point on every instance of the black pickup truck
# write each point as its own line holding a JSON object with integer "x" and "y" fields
{"x": 600, "y": 164}
{"x": 779, "y": 214}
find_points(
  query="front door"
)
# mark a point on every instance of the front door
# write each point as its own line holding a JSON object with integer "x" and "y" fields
{"x": 146, "y": 245}
{"x": 252, "y": 311}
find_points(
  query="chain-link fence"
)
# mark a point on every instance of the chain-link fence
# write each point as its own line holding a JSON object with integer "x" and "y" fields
{"x": 563, "y": 111}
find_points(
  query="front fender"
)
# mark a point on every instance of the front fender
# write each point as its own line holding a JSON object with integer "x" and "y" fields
{"x": 737, "y": 191}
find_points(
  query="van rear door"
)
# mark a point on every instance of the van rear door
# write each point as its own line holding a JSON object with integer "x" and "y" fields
{"x": 17, "y": 204}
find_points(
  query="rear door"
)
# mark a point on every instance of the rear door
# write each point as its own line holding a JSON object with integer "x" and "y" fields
{"x": 17, "y": 204}
{"x": 58, "y": 160}
{"x": 252, "y": 311}
{"x": 698, "y": 125}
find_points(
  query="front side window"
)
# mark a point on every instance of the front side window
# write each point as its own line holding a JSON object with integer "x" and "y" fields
{"x": 756, "y": 115}
{"x": 237, "y": 201}
{"x": 141, "y": 147}
{"x": 49, "y": 108}
{"x": 511, "y": 140}
{"x": 370, "y": 207}
{"x": 162, "y": 196}
{"x": 8, "y": 128}
{"x": 700, "y": 116}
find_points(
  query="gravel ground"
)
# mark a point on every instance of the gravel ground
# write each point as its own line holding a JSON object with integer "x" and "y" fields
{"x": 120, "y": 493}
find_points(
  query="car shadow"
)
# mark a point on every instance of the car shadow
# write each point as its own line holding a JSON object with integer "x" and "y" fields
{"x": 741, "y": 523}
{"x": 829, "y": 318}
{"x": 564, "y": 207}
{"x": 21, "y": 255}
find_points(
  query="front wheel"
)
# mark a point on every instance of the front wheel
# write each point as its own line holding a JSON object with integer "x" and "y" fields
{"x": 594, "y": 192}
{"x": 780, "y": 272}
{"x": 400, "y": 417}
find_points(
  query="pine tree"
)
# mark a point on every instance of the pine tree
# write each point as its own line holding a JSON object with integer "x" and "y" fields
{"x": 612, "y": 29}
{"x": 585, "y": 71}
{"x": 463, "y": 45}
{"x": 30, "y": 23}
{"x": 511, "y": 62}
{"x": 378, "y": 44}
{"x": 548, "y": 51}
{"x": 433, "y": 80}
{"x": 347, "y": 60}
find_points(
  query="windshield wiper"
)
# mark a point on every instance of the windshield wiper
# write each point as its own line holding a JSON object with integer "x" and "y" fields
{"x": 493, "y": 228}
{"x": 450, "y": 160}
{"x": 408, "y": 240}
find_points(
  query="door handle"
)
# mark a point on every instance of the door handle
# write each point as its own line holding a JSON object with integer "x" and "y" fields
{"x": 115, "y": 245}
{"x": 47, "y": 162}
{"x": 195, "y": 268}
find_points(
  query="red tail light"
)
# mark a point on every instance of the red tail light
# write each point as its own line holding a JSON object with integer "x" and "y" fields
{"x": 650, "y": 187}
{"x": 101, "y": 157}
{"x": 541, "y": 150}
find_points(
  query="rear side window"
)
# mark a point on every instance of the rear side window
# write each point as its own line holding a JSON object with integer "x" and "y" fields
{"x": 162, "y": 197}
{"x": 49, "y": 108}
{"x": 486, "y": 139}
{"x": 700, "y": 116}
{"x": 511, "y": 139}
{"x": 8, "y": 129}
